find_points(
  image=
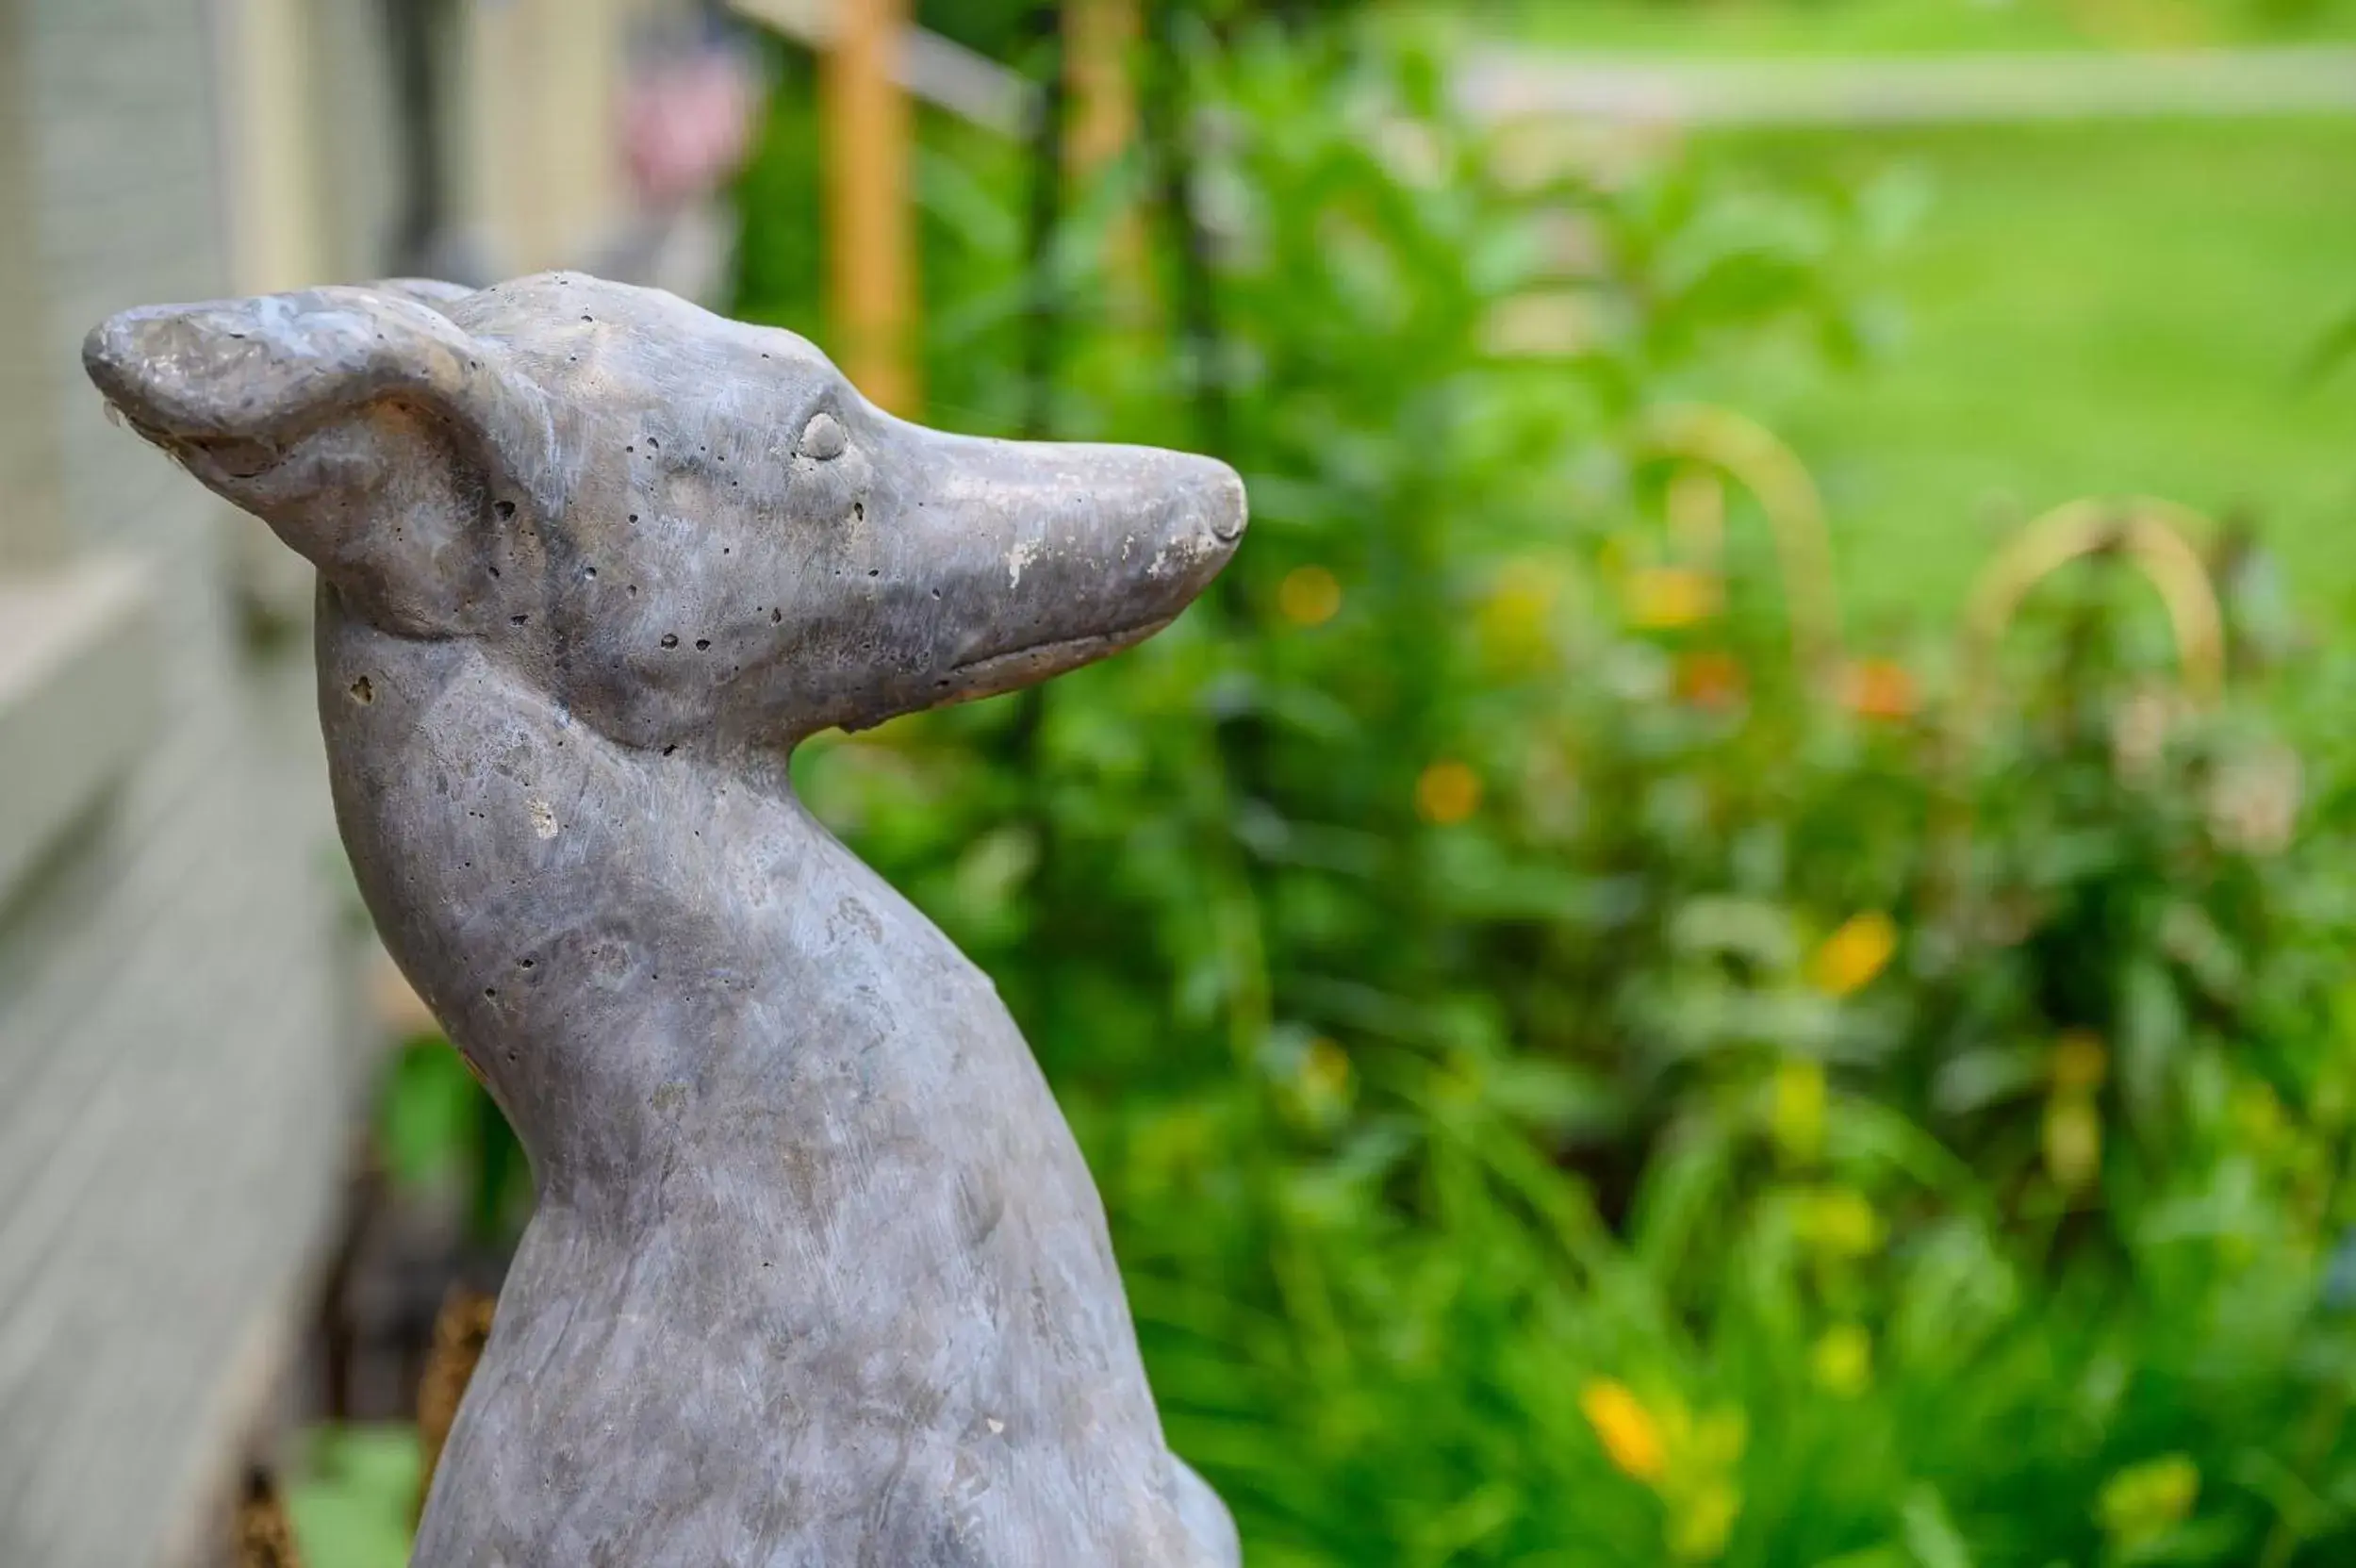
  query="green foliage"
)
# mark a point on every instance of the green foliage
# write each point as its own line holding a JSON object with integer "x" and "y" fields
{"x": 353, "y": 1505}
{"x": 1571, "y": 1087}
{"x": 2333, "y": 349}
{"x": 437, "y": 1128}
{"x": 1433, "y": 938}
{"x": 1010, "y": 28}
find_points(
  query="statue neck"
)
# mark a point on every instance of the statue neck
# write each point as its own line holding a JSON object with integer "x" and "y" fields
{"x": 632, "y": 947}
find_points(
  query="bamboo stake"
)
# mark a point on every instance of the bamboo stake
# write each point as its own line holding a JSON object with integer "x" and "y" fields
{"x": 1100, "y": 41}
{"x": 2155, "y": 535}
{"x": 872, "y": 263}
{"x": 1707, "y": 438}
{"x": 1099, "y": 37}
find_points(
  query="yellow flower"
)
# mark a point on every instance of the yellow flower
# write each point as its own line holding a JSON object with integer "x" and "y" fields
{"x": 1840, "y": 1222}
{"x": 1796, "y": 1114}
{"x": 1852, "y": 956}
{"x": 1513, "y": 619}
{"x": 1842, "y": 1362}
{"x": 2080, "y": 1063}
{"x": 1701, "y": 1524}
{"x": 2073, "y": 1142}
{"x": 1662, "y": 598}
{"x": 1309, "y": 596}
{"x": 1630, "y": 1437}
{"x": 1447, "y": 792}
{"x": 2145, "y": 1501}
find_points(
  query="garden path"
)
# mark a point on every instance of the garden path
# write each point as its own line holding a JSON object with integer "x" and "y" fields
{"x": 1514, "y": 82}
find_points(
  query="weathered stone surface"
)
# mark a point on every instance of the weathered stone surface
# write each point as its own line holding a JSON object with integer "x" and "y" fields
{"x": 818, "y": 1275}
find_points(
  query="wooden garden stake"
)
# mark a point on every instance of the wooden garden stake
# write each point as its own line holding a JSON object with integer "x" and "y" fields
{"x": 1697, "y": 516}
{"x": 264, "y": 1536}
{"x": 1099, "y": 37}
{"x": 461, "y": 1330}
{"x": 871, "y": 242}
{"x": 2153, "y": 534}
{"x": 1703, "y": 440}
{"x": 1101, "y": 40}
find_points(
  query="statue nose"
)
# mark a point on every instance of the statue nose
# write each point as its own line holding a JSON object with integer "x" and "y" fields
{"x": 1216, "y": 501}
{"x": 114, "y": 356}
{"x": 166, "y": 367}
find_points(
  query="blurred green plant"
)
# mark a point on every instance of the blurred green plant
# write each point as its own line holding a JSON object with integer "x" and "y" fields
{"x": 1575, "y": 1077}
{"x": 353, "y": 1505}
{"x": 2332, "y": 350}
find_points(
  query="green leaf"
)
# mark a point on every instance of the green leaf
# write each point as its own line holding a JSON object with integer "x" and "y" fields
{"x": 426, "y": 1113}
{"x": 354, "y": 1494}
{"x": 1931, "y": 1535}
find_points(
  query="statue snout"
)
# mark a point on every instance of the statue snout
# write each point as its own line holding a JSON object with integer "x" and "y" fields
{"x": 1055, "y": 554}
{"x": 173, "y": 371}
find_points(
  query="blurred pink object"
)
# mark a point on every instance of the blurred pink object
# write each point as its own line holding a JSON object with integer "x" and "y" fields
{"x": 687, "y": 124}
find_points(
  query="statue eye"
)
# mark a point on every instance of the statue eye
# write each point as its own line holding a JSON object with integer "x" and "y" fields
{"x": 822, "y": 438}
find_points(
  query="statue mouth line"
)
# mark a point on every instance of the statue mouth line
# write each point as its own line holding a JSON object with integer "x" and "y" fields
{"x": 994, "y": 663}
{"x": 228, "y": 457}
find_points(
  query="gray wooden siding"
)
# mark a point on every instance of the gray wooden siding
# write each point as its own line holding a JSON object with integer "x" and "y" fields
{"x": 176, "y": 1071}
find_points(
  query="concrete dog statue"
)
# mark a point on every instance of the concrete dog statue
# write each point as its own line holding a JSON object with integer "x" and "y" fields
{"x": 818, "y": 1276}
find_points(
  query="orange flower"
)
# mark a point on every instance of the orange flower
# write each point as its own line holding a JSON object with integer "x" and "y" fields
{"x": 1309, "y": 596}
{"x": 1630, "y": 1437}
{"x": 1447, "y": 792}
{"x": 1878, "y": 689}
{"x": 1711, "y": 679}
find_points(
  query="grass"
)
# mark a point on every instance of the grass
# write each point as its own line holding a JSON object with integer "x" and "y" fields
{"x": 2088, "y": 309}
{"x": 1906, "y": 26}
{"x": 2102, "y": 307}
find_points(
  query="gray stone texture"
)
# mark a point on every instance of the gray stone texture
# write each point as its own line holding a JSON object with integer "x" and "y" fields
{"x": 817, "y": 1276}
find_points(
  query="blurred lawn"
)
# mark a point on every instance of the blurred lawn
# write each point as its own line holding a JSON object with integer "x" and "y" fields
{"x": 2085, "y": 309}
{"x": 2089, "y": 307}
{"x": 1905, "y": 26}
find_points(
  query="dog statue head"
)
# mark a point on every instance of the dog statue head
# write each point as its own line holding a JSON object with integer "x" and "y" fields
{"x": 679, "y": 527}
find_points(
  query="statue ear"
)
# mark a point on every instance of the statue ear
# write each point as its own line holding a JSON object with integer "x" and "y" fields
{"x": 376, "y": 437}
{"x": 230, "y": 388}
{"x": 430, "y": 293}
